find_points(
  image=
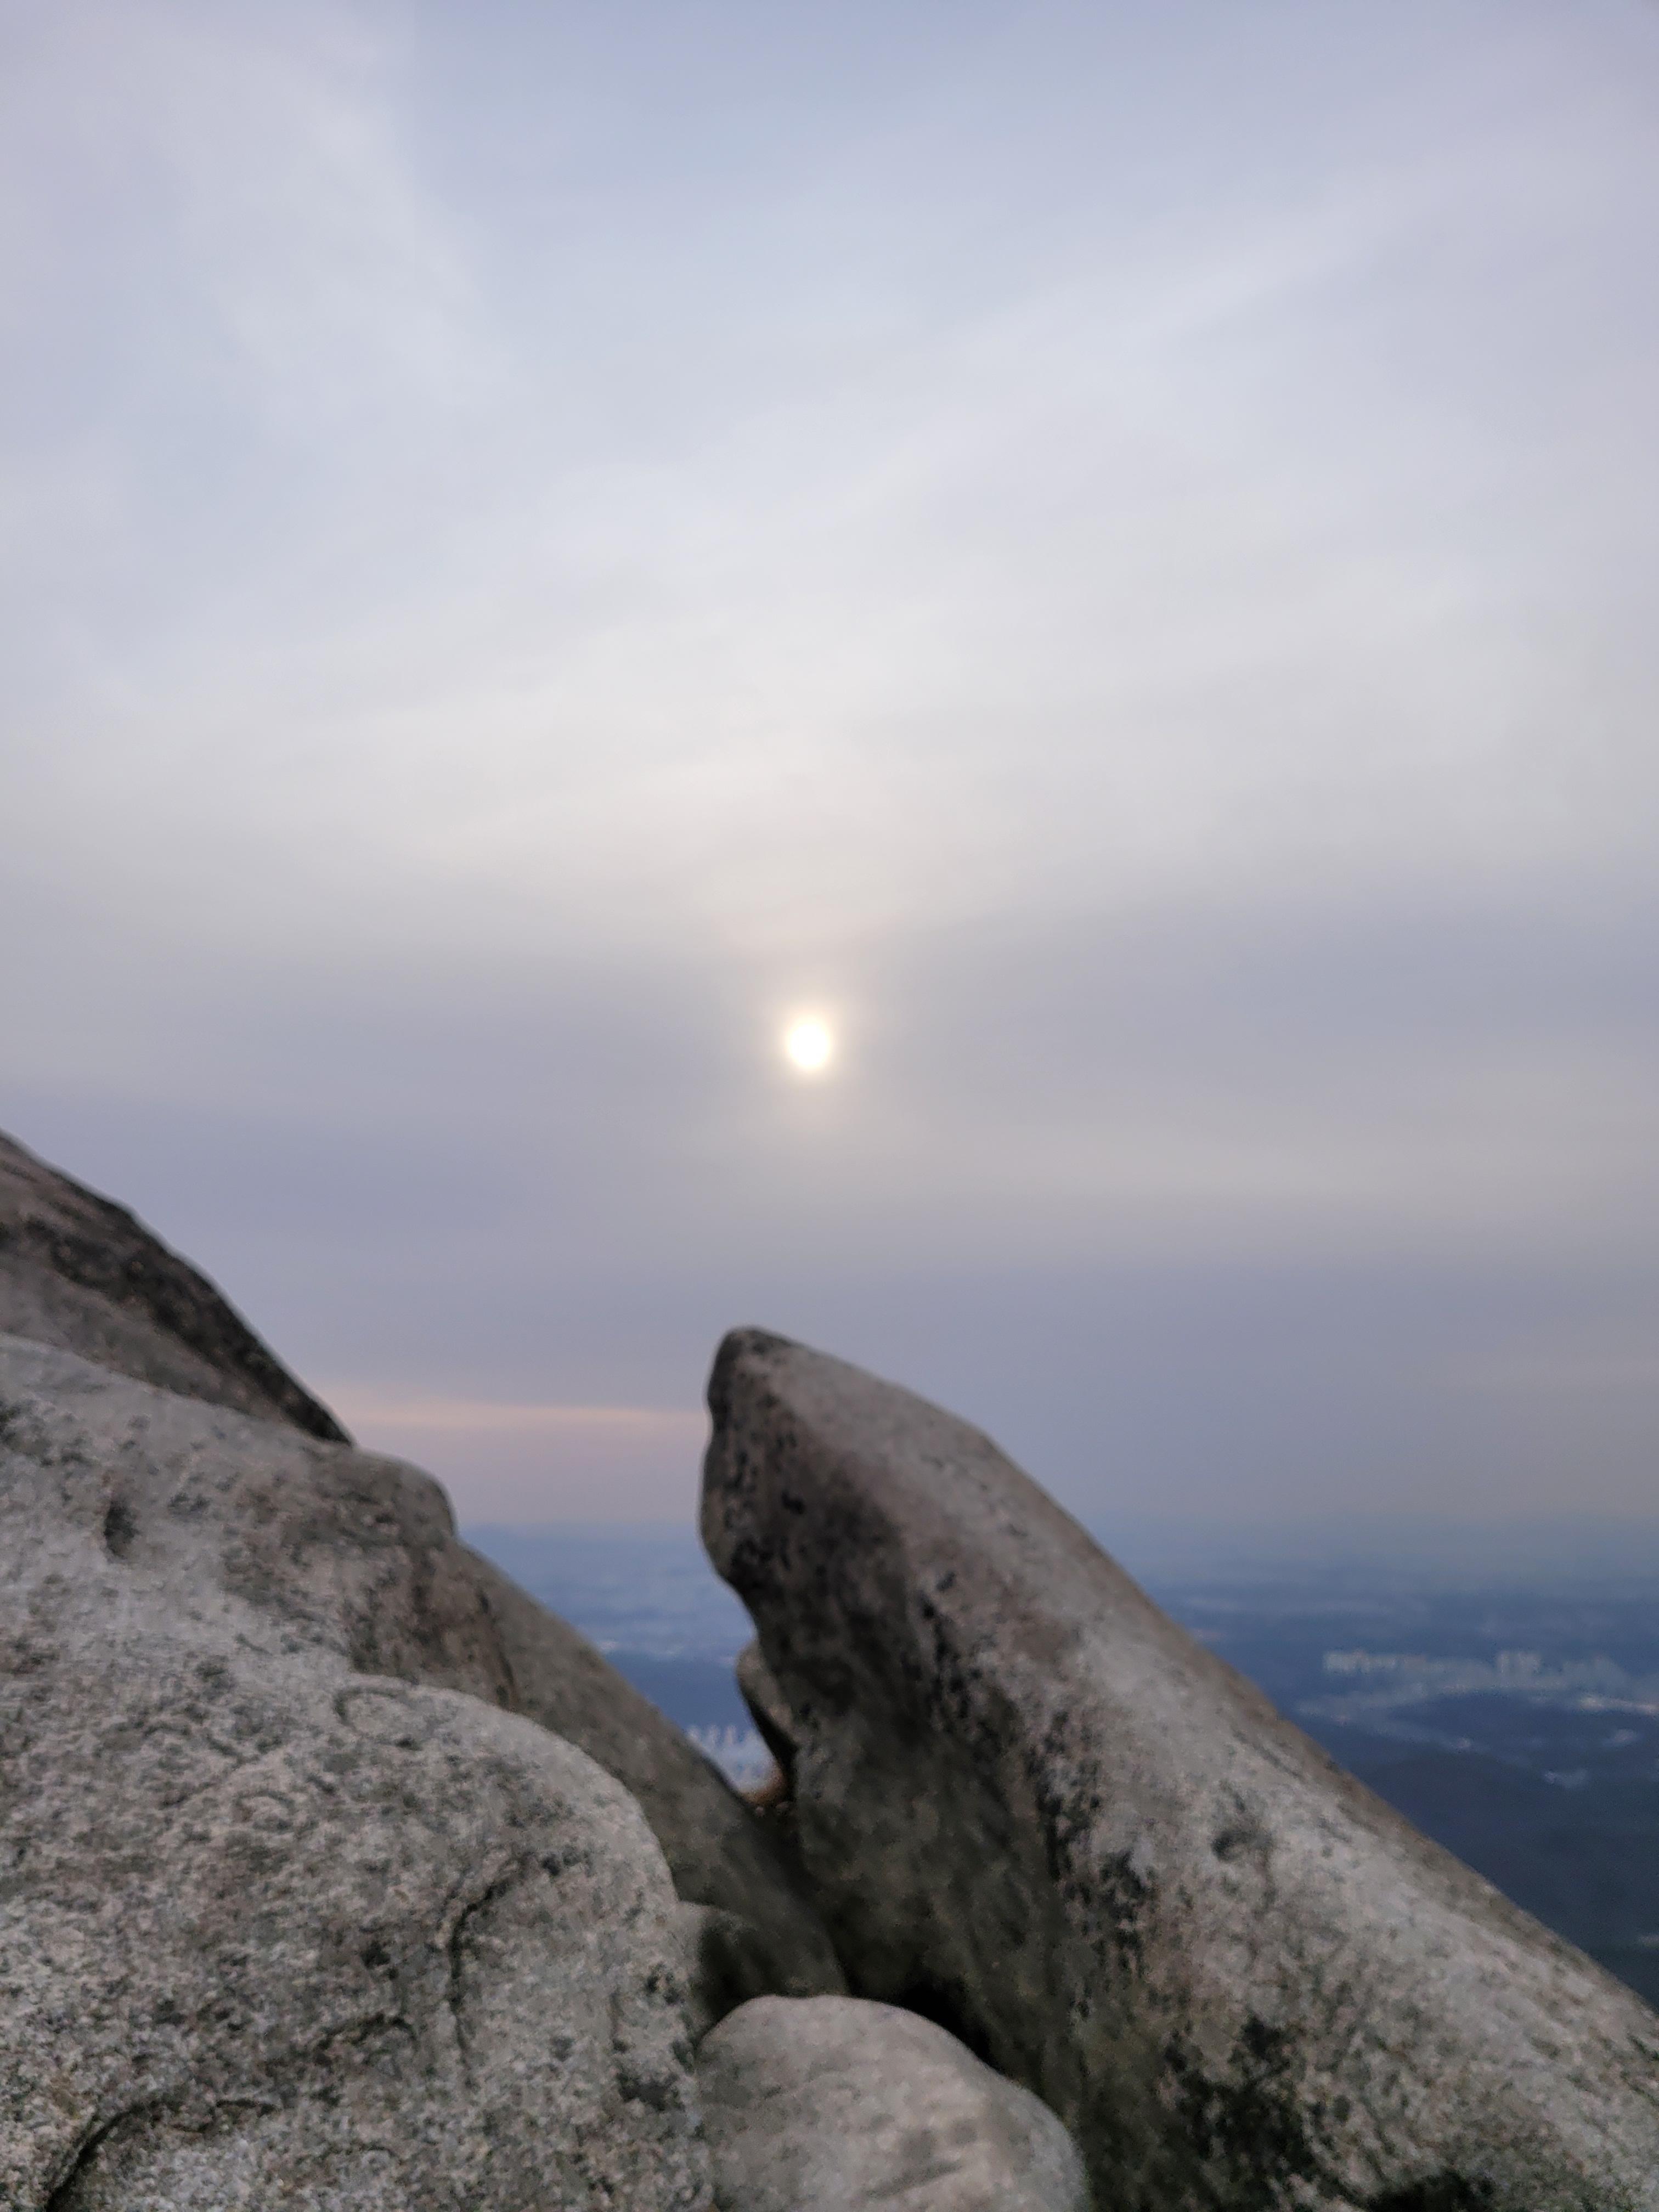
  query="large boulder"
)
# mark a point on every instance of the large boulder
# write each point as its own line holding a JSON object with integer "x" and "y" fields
{"x": 280, "y": 1925}
{"x": 1032, "y": 1807}
{"x": 834, "y": 2104}
{"x": 360, "y": 1553}
{"x": 81, "y": 1273}
{"x": 368, "y": 1543}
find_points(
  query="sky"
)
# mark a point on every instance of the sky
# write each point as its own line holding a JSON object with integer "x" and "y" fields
{"x": 1106, "y": 554}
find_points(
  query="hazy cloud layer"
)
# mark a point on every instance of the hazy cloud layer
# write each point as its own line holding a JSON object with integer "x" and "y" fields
{"x": 1110, "y": 555}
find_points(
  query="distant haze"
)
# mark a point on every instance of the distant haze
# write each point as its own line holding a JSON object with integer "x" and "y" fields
{"x": 1107, "y": 557}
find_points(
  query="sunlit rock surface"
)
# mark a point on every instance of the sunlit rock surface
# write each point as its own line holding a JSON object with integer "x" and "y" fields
{"x": 832, "y": 2105}
{"x": 1032, "y": 1807}
{"x": 281, "y": 1925}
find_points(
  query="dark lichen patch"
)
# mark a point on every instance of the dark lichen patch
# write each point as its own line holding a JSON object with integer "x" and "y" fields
{"x": 120, "y": 1529}
{"x": 1250, "y": 2129}
{"x": 1121, "y": 1899}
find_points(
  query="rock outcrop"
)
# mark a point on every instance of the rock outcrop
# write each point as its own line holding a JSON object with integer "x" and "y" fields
{"x": 312, "y": 1891}
{"x": 361, "y": 1551}
{"x": 79, "y": 1272}
{"x": 832, "y": 2105}
{"x": 281, "y": 1925}
{"x": 1032, "y": 1807}
{"x": 369, "y": 1542}
{"x": 336, "y": 1873}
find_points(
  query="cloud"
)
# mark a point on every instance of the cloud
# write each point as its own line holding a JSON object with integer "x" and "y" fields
{"x": 1130, "y": 568}
{"x": 1113, "y": 552}
{"x": 235, "y": 185}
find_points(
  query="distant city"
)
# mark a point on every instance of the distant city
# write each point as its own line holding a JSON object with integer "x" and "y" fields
{"x": 1593, "y": 1685}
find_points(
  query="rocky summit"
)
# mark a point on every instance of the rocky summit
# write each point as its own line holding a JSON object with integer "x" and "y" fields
{"x": 339, "y": 1874}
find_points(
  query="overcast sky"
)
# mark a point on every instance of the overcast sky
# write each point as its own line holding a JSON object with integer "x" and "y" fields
{"x": 1110, "y": 554}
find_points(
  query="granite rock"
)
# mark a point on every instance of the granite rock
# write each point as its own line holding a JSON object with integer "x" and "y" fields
{"x": 840, "y": 2106}
{"x": 774, "y": 1722}
{"x": 721, "y": 1856}
{"x": 725, "y": 1961}
{"x": 281, "y": 1926}
{"x": 1033, "y": 1808}
{"x": 78, "y": 1272}
{"x": 370, "y": 1544}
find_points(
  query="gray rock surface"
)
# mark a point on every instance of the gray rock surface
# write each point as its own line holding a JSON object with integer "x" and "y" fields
{"x": 280, "y": 1927}
{"x": 1033, "y": 1808}
{"x": 725, "y": 1961}
{"x": 773, "y": 1722}
{"x": 372, "y": 1545}
{"x": 833, "y": 2104}
{"x": 721, "y": 1856}
{"x": 82, "y": 1273}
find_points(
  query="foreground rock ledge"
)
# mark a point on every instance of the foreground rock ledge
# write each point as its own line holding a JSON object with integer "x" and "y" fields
{"x": 279, "y": 1926}
{"x": 1033, "y": 1808}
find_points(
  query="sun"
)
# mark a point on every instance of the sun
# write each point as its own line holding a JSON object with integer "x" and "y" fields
{"x": 808, "y": 1045}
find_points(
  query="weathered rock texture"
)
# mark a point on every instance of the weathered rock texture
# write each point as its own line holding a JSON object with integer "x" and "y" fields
{"x": 371, "y": 1544}
{"x": 720, "y": 1854}
{"x": 279, "y": 1926}
{"x": 82, "y": 1273}
{"x": 831, "y": 2105}
{"x": 725, "y": 1962}
{"x": 1033, "y": 1808}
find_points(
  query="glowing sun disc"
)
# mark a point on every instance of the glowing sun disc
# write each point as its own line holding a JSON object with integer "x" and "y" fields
{"x": 808, "y": 1045}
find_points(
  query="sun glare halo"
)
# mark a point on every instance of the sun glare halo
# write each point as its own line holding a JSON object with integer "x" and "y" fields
{"x": 808, "y": 1045}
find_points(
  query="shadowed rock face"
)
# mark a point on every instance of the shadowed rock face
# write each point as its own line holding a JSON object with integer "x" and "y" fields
{"x": 82, "y": 1273}
{"x": 1030, "y": 1806}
